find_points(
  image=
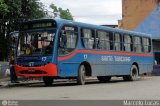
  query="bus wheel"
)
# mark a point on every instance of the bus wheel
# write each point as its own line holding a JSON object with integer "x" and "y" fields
{"x": 48, "y": 80}
{"x": 133, "y": 74}
{"x": 104, "y": 78}
{"x": 81, "y": 75}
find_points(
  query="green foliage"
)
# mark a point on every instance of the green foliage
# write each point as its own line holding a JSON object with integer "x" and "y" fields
{"x": 3, "y": 7}
{"x": 32, "y": 9}
{"x": 55, "y": 10}
{"x": 12, "y": 12}
{"x": 64, "y": 14}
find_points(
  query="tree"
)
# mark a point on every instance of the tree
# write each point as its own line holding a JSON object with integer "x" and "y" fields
{"x": 3, "y": 7}
{"x": 59, "y": 12}
{"x": 12, "y": 13}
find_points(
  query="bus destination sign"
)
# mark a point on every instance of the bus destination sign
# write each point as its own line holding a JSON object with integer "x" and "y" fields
{"x": 38, "y": 25}
{"x": 42, "y": 25}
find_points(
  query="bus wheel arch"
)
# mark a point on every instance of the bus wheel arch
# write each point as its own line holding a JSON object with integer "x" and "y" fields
{"x": 83, "y": 71}
{"x": 136, "y": 64}
{"x": 88, "y": 68}
{"x": 134, "y": 73}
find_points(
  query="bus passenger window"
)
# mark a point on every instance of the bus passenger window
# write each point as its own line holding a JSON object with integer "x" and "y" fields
{"x": 117, "y": 42}
{"x": 87, "y": 38}
{"x": 146, "y": 45}
{"x": 103, "y": 40}
{"x": 67, "y": 40}
{"x": 127, "y": 43}
{"x": 111, "y": 41}
{"x": 137, "y": 44}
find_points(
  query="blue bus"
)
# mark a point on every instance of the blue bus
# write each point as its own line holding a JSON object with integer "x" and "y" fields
{"x": 57, "y": 48}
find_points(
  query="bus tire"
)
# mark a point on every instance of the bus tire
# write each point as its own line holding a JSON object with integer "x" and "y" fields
{"x": 104, "y": 78}
{"x": 81, "y": 75}
{"x": 133, "y": 74}
{"x": 48, "y": 80}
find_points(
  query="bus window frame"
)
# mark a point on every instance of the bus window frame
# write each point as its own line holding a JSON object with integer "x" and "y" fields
{"x": 93, "y": 34}
{"x": 134, "y": 50}
{"x": 111, "y": 42}
{"x": 131, "y": 44}
{"x": 149, "y": 46}
{"x": 121, "y": 41}
{"x": 59, "y": 34}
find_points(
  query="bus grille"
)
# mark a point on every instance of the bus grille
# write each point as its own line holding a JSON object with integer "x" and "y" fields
{"x": 33, "y": 72}
{"x": 37, "y": 65}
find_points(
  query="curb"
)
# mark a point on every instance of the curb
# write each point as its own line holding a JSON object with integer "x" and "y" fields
{"x": 9, "y": 84}
{"x": 3, "y": 81}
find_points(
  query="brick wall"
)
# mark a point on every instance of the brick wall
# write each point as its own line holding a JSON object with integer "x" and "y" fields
{"x": 134, "y": 11}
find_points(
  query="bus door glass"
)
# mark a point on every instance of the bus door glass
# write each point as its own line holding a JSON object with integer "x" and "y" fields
{"x": 67, "y": 40}
{"x": 67, "y": 43}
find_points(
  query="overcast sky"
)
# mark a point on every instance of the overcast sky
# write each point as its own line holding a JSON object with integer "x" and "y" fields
{"x": 100, "y": 12}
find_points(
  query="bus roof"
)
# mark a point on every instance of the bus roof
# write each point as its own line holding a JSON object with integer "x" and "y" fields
{"x": 85, "y": 25}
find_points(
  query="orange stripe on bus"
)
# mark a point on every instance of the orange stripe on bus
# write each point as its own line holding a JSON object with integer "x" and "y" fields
{"x": 102, "y": 52}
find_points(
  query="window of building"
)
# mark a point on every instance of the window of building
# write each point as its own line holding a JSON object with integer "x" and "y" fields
{"x": 146, "y": 44}
{"x": 127, "y": 43}
{"x": 117, "y": 42}
{"x": 103, "y": 40}
{"x": 67, "y": 39}
{"x": 137, "y": 44}
{"x": 88, "y": 39}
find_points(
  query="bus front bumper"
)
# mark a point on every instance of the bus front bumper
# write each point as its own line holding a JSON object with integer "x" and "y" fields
{"x": 46, "y": 70}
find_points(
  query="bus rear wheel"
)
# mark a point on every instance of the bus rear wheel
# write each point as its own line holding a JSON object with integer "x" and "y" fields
{"x": 133, "y": 74}
{"x": 104, "y": 78}
{"x": 81, "y": 75}
{"x": 48, "y": 80}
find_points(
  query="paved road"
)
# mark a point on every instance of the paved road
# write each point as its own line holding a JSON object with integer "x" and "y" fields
{"x": 117, "y": 89}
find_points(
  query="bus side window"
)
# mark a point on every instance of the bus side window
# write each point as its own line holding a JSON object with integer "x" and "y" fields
{"x": 88, "y": 38}
{"x": 67, "y": 40}
{"x": 117, "y": 42}
{"x": 137, "y": 44}
{"x": 111, "y": 38}
{"x": 103, "y": 40}
{"x": 150, "y": 47}
{"x": 127, "y": 43}
{"x": 146, "y": 45}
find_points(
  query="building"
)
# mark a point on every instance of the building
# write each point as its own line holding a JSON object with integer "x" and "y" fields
{"x": 143, "y": 16}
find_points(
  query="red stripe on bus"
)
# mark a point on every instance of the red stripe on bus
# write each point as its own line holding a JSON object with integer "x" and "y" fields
{"x": 102, "y": 52}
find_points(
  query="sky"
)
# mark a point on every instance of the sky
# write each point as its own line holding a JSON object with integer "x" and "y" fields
{"x": 99, "y": 12}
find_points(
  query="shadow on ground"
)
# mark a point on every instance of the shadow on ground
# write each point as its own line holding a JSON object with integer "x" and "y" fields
{"x": 65, "y": 83}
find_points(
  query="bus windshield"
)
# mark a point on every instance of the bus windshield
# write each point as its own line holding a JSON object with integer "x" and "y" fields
{"x": 36, "y": 43}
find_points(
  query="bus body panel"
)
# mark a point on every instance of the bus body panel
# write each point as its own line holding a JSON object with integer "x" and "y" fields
{"x": 102, "y": 62}
{"x": 102, "y": 67}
